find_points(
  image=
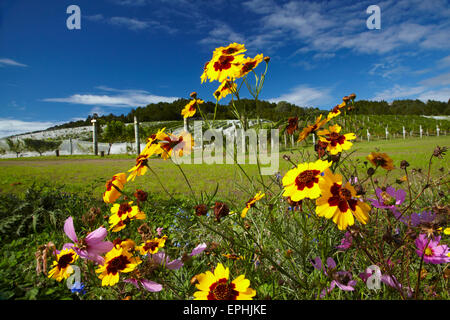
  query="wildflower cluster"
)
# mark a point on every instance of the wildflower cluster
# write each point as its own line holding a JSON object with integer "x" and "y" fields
{"x": 327, "y": 206}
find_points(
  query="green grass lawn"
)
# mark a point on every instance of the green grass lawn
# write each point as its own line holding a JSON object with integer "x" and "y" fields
{"x": 89, "y": 173}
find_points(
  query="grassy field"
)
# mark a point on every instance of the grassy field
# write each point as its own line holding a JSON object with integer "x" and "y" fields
{"x": 89, "y": 173}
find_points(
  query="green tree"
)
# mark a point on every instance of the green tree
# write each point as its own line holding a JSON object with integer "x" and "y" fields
{"x": 114, "y": 132}
{"x": 16, "y": 146}
{"x": 41, "y": 146}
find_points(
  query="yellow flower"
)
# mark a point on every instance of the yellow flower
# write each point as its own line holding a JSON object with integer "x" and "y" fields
{"x": 311, "y": 128}
{"x": 189, "y": 110}
{"x": 336, "y": 142}
{"x": 251, "y": 203}
{"x": 223, "y": 67}
{"x": 381, "y": 159}
{"x": 61, "y": 267}
{"x": 249, "y": 64}
{"x": 152, "y": 246}
{"x": 122, "y": 214}
{"x": 152, "y": 147}
{"x": 215, "y": 286}
{"x": 180, "y": 144}
{"x": 127, "y": 245}
{"x": 340, "y": 202}
{"x": 117, "y": 260}
{"x": 225, "y": 89}
{"x": 335, "y": 111}
{"x": 117, "y": 182}
{"x": 232, "y": 49}
{"x": 303, "y": 181}
{"x": 140, "y": 168}
{"x": 447, "y": 231}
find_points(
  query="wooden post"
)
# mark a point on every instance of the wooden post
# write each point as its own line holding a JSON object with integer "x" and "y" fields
{"x": 314, "y": 138}
{"x": 404, "y": 132}
{"x": 420, "y": 132}
{"x": 136, "y": 136}
{"x": 94, "y": 136}
{"x": 292, "y": 141}
{"x": 285, "y": 140}
{"x": 186, "y": 125}
{"x": 437, "y": 130}
{"x": 368, "y": 135}
{"x": 70, "y": 146}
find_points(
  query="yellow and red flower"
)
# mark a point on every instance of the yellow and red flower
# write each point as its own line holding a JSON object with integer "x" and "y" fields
{"x": 216, "y": 286}
{"x": 113, "y": 186}
{"x": 336, "y": 142}
{"x": 225, "y": 89}
{"x": 117, "y": 260}
{"x": 303, "y": 181}
{"x": 152, "y": 147}
{"x": 232, "y": 49}
{"x": 61, "y": 267}
{"x": 340, "y": 202}
{"x": 381, "y": 159}
{"x": 251, "y": 203}
{"x": 311, "y": 128}
{"x": 122, "y": 214}
{"x": 190, "y": 109}
{"x": 152, "y": 246}
{"x": 249, "y": 64}
{"x": 181, "y": 144}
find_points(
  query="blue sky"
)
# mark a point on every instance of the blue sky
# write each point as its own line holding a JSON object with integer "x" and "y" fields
{"x": 129, "y": 53}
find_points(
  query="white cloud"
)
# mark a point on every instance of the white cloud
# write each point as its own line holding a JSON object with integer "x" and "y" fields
{"x": 122, "y": 98}
{"x": 10, "y": 62}
{"x": 10, "y": 127}
{"x": 440, "y": 80}
{"x": 130, "y": 23}
{"x": 438, "y": 95}
{"x": 304, "y": 96}
{"x": 398, "y": 92}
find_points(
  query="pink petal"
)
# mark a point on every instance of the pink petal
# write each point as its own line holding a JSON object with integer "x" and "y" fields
{"x": 151, "y": 286}
{"x": 198, "y": 249}
{"x": 96, "y": 236}
{"x": 70, "y": 230}
{"x": 175, "y": 264}
{"x": 101, "y": 247}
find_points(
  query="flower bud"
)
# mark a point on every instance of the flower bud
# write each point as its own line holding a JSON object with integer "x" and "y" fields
{"x": 193, "y": 95}
{"x": 404, "y": 164}
{"x": 370, "y": 171}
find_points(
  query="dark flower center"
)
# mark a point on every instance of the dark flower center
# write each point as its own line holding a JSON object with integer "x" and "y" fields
{"x": 151, "y": 245}
{"x": 230, "y": 51}
{"x": 223, "y": 63}
{"x": 342, "y": 198}
{"x": 335, "y": 138}
{"x": 307, "y": 179}
{"x": 221, "y": 290}
{"x": 249, "y": 66}
{"x": 380, "y": 161}
{"x": 64, "y": 260}
{"x": 124, "y": 209}
{"x": 117, "y": 264}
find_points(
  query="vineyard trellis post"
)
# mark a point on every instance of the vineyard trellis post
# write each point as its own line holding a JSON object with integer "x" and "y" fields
{"x": 136, "y": 136}
{"x": 404, "y": 132}
{"x": 368, "y": 135}
{"x": 94, "y": 136}
{"x": 387, "y": 132}
{"x": 437, "y": 130}
{"x": 420, "y": 131}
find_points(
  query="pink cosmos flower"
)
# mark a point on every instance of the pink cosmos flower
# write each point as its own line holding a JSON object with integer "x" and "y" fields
{"x": 389, "y": 199}
{"x": 388, "y": 280}
{"x": 146, "y": 284}
{"x": 346, "y": 242}
{"x": 91, "y": 247}
{"x": 431, "y": 250}
{"x": 341, "y": 279}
